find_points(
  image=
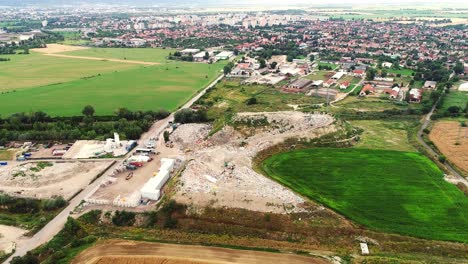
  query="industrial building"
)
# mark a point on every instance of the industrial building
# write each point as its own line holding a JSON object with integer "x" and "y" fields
{"x": 152, "y": 189}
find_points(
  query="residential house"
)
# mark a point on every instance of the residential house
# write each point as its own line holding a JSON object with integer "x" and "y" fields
{"x": 430, "y": 85}
{"x": 393, "y": 93}
{"x": 329, "y": 83}
{"x": 344, "y": 85}
{"x": 415, "y": 95}
{"x": 366, "y": 90}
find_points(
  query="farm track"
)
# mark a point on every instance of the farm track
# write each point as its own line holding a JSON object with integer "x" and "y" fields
{"x": 101, "y": 59}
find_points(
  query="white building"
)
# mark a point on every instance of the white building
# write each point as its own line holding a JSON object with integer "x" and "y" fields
{"x": 190, "y": 51}
{"x": 224, "y": 55}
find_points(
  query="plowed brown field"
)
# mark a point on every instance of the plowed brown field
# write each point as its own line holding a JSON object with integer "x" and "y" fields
{"x": 135, "y": 252}
{"x": 452, "y": 140}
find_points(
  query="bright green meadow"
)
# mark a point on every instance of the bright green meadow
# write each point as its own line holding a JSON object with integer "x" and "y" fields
{"x": 385, "y": 190}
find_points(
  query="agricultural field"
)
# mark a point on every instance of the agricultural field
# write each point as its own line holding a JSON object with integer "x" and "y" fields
{"x": 34, "y": 70}
{"x": 390, "y": 191}
{"x": 230, "y": 95}
{"x": 119, "y": 251}
{"x": 106, "y": 85}
{"x": 381, "y": 134}
{"x": 451, "y": 138}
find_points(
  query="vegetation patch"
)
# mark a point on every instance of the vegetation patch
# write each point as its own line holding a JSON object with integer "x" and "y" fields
{"x": 382, "y": 134}
{"x": 28, "y": 213}
{"x": 391, "y": 191}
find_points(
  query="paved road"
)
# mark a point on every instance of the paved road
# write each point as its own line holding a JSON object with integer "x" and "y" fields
{"x": 56, "y": 224}
{"x": 427, "y": 120}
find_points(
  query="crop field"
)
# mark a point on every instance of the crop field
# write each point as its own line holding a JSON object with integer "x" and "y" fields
{"x": 63, "y": 86}
{"x": 391, "y": 191}
{"x": 452, "y": 140}
{"x": 135, "y": 252}
{"x": 380, "y": 134}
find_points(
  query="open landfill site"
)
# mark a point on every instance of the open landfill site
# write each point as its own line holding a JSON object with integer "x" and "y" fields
{"x": 214, "y": 170}
{"x": 219, "y": 171}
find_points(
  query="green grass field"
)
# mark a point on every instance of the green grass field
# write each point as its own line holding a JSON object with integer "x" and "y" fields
{"x": 381, "y": 134}
{"x": 455, "y": 98}
{"x": 320, "y": 75}
{"x": 143, "y": 88}
{"x": 23, "y": 71}
{"x": 390, "y": 191}
{"x": 139, "y": 54}
{"x": 231, "y": 95}
{"x": 371, "y": 104}
{"x": 63, "y": 86}
{"x": 402, "y": 71}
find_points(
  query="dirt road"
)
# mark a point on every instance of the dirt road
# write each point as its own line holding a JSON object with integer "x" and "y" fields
{"x": 129, "y": 252}
{"x": 56, "y": 224}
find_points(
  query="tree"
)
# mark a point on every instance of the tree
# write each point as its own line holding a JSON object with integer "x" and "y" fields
{"x": 454, "y": 109}
{"x": 227, "y": 69}
{"x": 383, "y": 73}
{"x": 312, "y": 58}
{"x": 88, "y": 110}
{"x": 262, "y": 63}
{"x": 459, "y": 69}
{"x": 370, "y": 74}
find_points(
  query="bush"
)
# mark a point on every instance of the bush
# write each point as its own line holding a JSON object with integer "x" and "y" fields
{"x": 185, "y": 116}
{"x": 170, "y": 223}
{"x": 53, "y": 204}
{"x": 123, "y": 218}
{"x": 166, "y": 136}
{"x": 442, "y": 158}
{"x": 251, "y": 101}
{"x": 27, "y": 259}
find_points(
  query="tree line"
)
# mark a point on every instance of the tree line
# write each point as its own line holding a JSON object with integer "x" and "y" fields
{"x": 40, "y": 126}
